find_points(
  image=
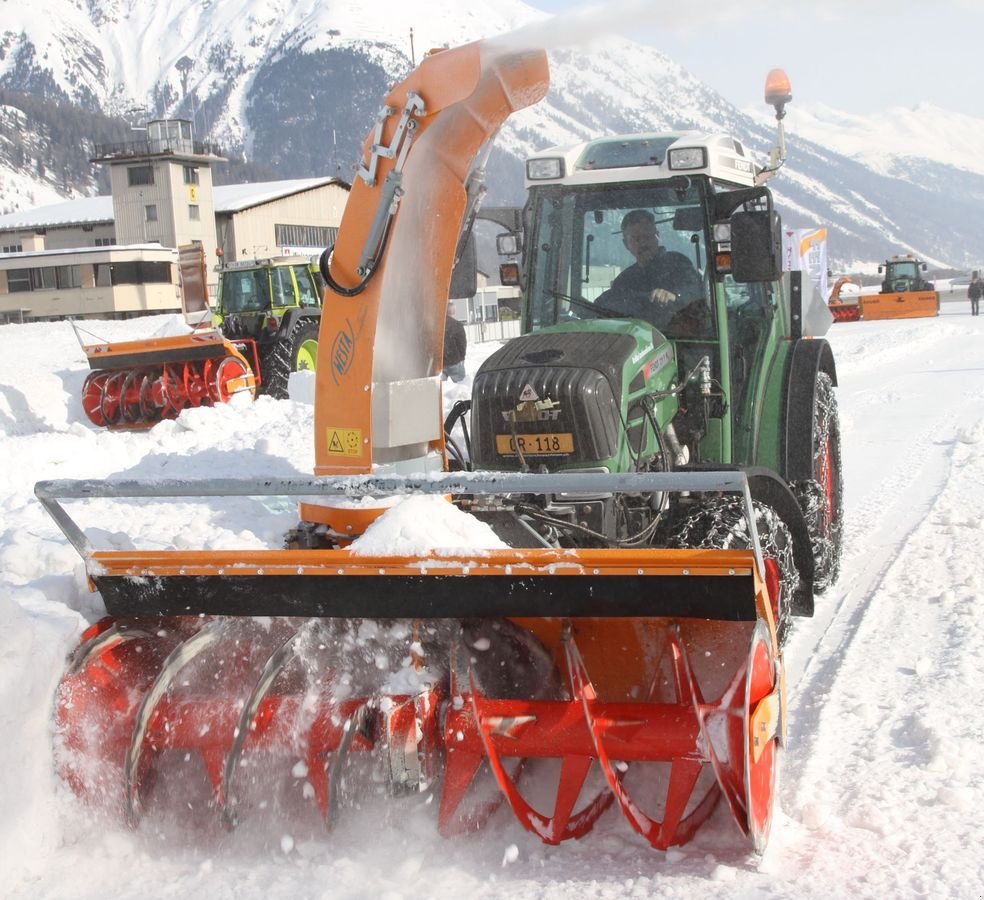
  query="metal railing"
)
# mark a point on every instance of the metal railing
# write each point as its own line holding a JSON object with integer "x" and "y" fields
{"x": 156, "y": 147}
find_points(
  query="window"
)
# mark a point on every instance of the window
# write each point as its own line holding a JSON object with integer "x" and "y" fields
{"x": 137, "y": 175}
{"x": 43, "y": 279}
{"x": 194, "y": 213}
{"x": 13, "y": 248}
{"x": 190, "y": 175}
{"x": 105, "y": 242}
{"x": 150, "y": 212}
{"x": 68, "y": 276}
{"x": 18, "y": 280}
{"x": 307, "y": 293}
{"x": 244, "y": 290}
{"x": 283, "y": 286}
{"x": 141, "y": 272}
{"x": 304, "y": 235}
{"x": 103, "y": 274}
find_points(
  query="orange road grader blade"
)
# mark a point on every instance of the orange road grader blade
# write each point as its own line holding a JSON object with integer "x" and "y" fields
{"x": 136, "y": 384}
{"x": 641, "y": 673}
{"x": 651, "y": 678}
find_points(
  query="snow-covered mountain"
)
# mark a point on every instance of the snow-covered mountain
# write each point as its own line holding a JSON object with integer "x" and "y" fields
{"x": 295, "y": 86}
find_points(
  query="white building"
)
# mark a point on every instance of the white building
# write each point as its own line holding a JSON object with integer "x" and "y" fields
{"x": 116, "y": 256}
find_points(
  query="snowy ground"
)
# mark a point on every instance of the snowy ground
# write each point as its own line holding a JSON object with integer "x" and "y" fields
{"x": 882, "y": 792}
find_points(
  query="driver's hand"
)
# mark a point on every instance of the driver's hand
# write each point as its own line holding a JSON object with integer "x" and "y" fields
{"x": 660, "y": 295}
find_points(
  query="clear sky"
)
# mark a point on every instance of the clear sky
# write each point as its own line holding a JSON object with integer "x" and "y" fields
{"x": 854, "y": 55}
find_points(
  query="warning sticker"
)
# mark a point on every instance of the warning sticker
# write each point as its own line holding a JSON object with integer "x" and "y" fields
{"x": 344, "y": 441}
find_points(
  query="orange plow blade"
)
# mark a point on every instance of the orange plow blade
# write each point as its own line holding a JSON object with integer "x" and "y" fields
{"x": 905, "y": 305}
{"x": 645, "y": 681}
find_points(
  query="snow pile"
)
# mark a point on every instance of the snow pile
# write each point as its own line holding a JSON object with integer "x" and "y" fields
{"x": 424, "y": 525}
{"x": 881, "y": 794}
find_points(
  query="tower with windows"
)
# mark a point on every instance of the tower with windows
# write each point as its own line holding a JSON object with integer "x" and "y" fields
{"x": 162, "y": 187}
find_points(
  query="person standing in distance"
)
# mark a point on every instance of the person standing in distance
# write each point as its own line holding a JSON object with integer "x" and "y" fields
{"x": 974, "y": 291}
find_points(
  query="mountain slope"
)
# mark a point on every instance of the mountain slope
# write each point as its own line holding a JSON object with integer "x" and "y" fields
{"x": 298, "y": 85}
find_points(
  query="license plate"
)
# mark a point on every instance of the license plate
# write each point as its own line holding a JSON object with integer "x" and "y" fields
{"x": 535, "y": 444}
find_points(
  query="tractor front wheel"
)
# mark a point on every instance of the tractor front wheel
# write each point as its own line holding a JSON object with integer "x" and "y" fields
{"x": 293, "y": 352}
{"x": 720, "y": 524}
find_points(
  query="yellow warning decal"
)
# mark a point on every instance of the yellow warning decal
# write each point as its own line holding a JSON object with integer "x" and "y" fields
{"x": 344, "y": 441}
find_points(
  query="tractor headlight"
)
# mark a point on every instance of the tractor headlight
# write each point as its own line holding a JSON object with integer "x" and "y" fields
{"x": 545, "y": 169}
{"x": 688, "y": 158}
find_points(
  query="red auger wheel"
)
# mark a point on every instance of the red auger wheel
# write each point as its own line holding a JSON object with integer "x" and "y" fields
{"x": 92, "y": 394}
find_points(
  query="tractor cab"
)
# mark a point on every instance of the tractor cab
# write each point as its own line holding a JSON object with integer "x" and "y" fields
{"x": 703, "y": 297}
{"x": 269, "y": 285}
{"x": 903, "y": 274}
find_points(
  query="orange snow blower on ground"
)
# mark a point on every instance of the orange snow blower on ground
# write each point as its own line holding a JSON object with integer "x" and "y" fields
{"x": 613, "y": 643}
{"x": 844, "y": 308}
{"x": 136, "y": 384}
{"x": 265, "y": 327}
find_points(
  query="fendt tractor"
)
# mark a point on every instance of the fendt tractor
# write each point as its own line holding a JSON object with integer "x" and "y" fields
{"x": 265, "y": 326}
{"x": 659, "y": 502}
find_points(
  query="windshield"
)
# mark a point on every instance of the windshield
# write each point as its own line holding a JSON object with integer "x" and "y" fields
{"x": 245, "y": 290}
{"x": 626, "y": 252}
{"x": 903, "y": 270}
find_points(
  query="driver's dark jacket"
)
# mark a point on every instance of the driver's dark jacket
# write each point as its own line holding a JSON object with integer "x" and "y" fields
{"x": 668, "y": 270}
{"x": 631, "y": 291}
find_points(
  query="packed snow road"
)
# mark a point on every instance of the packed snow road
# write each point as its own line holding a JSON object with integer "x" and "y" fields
{"x": 881, "y": 793}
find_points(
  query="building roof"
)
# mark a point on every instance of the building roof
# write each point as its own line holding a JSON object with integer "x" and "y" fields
{"x": 228, "y": 198}
{"x": 231, "y": 198}
{"x": 87, "y": 211}
{"x": 108, "y": 250}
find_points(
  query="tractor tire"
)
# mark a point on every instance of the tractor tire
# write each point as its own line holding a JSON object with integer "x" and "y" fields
{"x": 292, "y": 352}
{"x": 822, "y": 497}
{"x": 719, "y": 524}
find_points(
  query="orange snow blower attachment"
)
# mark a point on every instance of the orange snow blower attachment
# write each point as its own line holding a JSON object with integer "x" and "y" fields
{"x": 644, "y": 675}
{"x": 136, "y": 384}
{"x": 651, "y": 677}
{"x": 845, "y": 308}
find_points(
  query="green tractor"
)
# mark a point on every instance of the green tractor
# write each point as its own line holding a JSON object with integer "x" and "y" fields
{"x": 724, "y": 368}
{"x": 271, "y": 310}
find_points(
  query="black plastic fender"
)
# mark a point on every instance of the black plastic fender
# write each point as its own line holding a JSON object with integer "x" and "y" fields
{"x": 291, "y": 317}
{"x": 809, "y": 357}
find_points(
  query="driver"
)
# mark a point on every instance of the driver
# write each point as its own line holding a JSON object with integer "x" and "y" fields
{"x": 660, "y": 283}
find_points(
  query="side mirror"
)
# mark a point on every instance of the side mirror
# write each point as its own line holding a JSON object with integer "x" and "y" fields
{"x": 755, "y": 247}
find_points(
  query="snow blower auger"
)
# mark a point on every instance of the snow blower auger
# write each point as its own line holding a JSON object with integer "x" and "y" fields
{"x": 644, "y": 513}
{"x": 650, "y": 680}
{"x": 844, "y": 308}
{"x": 136, "y": 384}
